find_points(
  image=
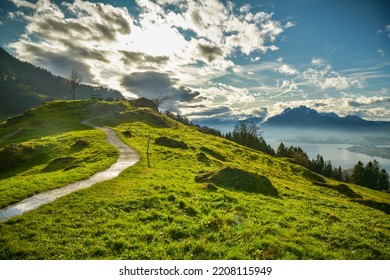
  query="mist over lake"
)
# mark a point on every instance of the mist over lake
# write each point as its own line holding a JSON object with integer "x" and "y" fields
{"x": 313, "y": 143}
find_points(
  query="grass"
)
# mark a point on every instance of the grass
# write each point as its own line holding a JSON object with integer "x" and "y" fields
{"x": 163, "y": 213}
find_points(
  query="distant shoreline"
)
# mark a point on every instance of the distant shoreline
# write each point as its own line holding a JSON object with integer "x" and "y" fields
{"x": 374, "y": 151}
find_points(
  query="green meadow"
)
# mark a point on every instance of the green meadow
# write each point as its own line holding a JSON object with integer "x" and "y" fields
{"x": 203, "y": 197}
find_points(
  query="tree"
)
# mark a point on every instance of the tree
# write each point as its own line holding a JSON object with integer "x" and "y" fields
{"x": 371, "y": 173}
{"x": 318, "y": 164}
{"x": 383, "y": 180}
{"x": 74, "y": 80}
{"x": 281, "y": 151}
{"x": 328, "y": 169}
{"x": 358, "y": 174}
{"x": 160, "y": 99}
{"x": 248, "y": 133}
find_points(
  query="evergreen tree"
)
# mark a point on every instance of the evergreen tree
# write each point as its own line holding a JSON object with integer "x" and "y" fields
{"x": 328, "y": 169}
{"x": 318, "y": 164}
{"x": 281, "y": 151}
{"x": 358, "y": 174}
{"x": 371, "y": 173}
{"x": 383, "y": 180}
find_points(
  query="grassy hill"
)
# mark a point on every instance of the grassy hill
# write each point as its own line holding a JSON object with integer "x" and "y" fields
{"x": 203, "y": 197}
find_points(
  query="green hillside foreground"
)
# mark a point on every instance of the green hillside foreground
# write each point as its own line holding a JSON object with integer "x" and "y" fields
{"x": 203, "y": 197}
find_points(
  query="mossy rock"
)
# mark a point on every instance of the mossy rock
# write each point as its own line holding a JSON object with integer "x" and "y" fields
{"x": 144, "y": 115}
{"x": 171, "y": 143}
{"x": 127, "y": 134}
{"x": 212, "y": 153}
{"x": 15, "y": 155}
{"x": 80, "y": 144}
{"x": 312, "y": 176}
{"x": 144, "y": 103}
{"x": 203, "y": 158}
{"x": 58, "y": 164}
{"x": 340, "y": 188}
{"x": 381, "y": 206}
{"x": 237, "y": 179}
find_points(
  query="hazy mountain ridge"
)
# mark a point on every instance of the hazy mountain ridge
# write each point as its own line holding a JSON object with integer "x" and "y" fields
{"x": 306, "y": 117}
{"x": 305, "y": 125}
{"x": 24, "y": 86}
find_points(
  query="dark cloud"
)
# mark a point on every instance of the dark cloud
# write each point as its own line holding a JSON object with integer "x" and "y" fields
{"x": 261, "y": 112}
{"x": 210, "y": 53}
{"x": 368, "y": 101}
{"x": 353, "y": 103}
{"x": 185, "y": 94}
{"x": 213, "y": 111}
{"x": 152, "y": 84}
{"x": 59, "y": 63}
{"x": 143, "y": 60}
{"x": 196, "y": 18}
{"x": 120, "y": 23}
{"x": 96, "y": 22}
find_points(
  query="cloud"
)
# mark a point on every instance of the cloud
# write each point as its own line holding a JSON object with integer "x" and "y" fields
{"x": 210, "y": 53}
{"x": 211, "y": 112}
{"x": 143, "y": 60}
{"x": 381, "y": 52}
{"x": 385, "y": 30}
{"x": 245, "y": 9}
{"x": 193, "y": 40}
{"x": 365, "y": 101}
{"x": 290, "y": 24}
{"x": 22, "y": 3}
{"x": 152, "y": 84}
{"x": 324, "y": 77}
{"x": 318, "y": 61}
{"x": 287, "y": 70}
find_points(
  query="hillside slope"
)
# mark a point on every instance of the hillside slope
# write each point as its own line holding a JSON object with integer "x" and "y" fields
{"x": 203, "y": 197}
{"x": 24, "y": 86}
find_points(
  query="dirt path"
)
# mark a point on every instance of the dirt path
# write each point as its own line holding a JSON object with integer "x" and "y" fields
{"x": 127, "y": 157}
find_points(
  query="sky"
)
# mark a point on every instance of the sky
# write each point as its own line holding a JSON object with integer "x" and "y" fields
{"x": 215, "y": 60}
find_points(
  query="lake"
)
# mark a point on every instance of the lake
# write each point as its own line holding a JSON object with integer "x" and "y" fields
{"x": 336, "y": 153}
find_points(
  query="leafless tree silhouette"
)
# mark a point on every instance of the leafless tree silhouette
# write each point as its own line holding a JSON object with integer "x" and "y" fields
{"x": 74, "y": 80}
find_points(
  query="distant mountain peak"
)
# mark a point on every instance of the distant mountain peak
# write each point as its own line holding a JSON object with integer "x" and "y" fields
{"x": 303, "y": 116}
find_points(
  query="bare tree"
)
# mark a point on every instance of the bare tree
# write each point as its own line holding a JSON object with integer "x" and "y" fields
{"x": 74, "y": 80}
{"x": 160, "y": 99}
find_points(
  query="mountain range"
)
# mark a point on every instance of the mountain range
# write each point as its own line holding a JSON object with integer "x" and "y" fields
{"x": 306, "y": 125}
{"x": 24, "y": 86}
{"x": 309, "y": 118}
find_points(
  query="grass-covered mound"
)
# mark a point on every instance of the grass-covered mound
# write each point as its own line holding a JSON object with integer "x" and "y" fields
{"x": 161, "y": 212}
{"x": 340, "y": 188}
{"x": 171, "y": 143}
{"x": 237, "y": 179}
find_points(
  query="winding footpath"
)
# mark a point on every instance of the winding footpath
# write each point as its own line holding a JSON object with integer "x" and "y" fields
{"x": 127, "y": 157}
